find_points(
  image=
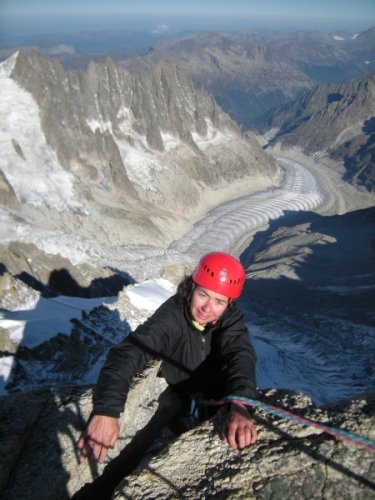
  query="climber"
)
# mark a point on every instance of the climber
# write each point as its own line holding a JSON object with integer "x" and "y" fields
{"x": 200, "y": 336}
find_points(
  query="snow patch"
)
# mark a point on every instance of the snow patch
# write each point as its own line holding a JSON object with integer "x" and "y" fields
{"x": 100, "y": 125}
{"x": 48, "y": 317}
{"x": 150, "y": 294}
{"x": 227, "y": 224}
{"x": 125, "y": 117}
{"x": 140, "y": 165}
{"x": 341, "y": 38}
{"x": 7, "y": 66}
{"x": 213, "y": 137}
{"x": 170, "y": 141}
{"x": 348, "y": 133}
{"x": 6, "y": 366}
{"x": 28, "y": 163}
{"x": 268, "y": 136}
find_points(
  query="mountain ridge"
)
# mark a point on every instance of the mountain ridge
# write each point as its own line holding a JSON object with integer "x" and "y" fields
{"x": 128, "y": 143}
{"x": 337, "y": 121}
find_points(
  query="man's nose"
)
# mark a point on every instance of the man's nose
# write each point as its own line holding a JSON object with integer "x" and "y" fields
{"x": 207, "y": 306}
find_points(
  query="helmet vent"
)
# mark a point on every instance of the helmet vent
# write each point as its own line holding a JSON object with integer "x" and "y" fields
{"x": 223, "y": 275}
{"x": 208, "y": 271}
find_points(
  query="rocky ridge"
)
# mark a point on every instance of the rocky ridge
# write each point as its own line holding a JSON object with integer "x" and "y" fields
{"x": 289, "y": 459}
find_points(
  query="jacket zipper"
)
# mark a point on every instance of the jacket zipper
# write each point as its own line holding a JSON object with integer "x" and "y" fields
{"x": 203, "y": 339}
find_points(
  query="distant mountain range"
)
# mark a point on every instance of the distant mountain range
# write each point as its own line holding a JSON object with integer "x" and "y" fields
{"x": 248, "y": 72}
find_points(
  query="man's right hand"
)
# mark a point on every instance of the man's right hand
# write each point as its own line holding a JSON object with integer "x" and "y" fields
{"x": 100, "y": 435}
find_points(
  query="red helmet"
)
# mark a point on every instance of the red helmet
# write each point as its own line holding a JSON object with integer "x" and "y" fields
{"x": 221, "y": 273}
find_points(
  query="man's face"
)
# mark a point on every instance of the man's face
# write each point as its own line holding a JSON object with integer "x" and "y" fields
{"x": 207, "y": 306}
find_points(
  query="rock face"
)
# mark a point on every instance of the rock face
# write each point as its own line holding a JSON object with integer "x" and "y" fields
{"x": 333, "y": 120}
{"x": 288, "y": 461}
{"x": 52, "y": 274}
{"x": 39, "y": 430}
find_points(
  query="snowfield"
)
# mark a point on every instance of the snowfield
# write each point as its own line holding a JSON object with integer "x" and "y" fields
{"x": 18, "y": 106}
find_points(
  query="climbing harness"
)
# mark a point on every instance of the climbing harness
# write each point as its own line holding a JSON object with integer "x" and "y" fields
{"x": 363, "y": 442}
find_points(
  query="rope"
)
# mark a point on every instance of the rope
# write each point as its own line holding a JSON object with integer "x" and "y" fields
{"x": 360, "y": 441}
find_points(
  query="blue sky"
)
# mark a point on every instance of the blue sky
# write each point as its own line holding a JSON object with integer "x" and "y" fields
{"x": 33, "y": 16}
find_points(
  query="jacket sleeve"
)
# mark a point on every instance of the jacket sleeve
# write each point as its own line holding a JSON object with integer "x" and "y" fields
{"x": 149, "y": 341}
{"x": 237, "y": 356}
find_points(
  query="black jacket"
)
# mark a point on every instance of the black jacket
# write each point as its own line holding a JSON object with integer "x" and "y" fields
{"x": 217, "y": 362}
